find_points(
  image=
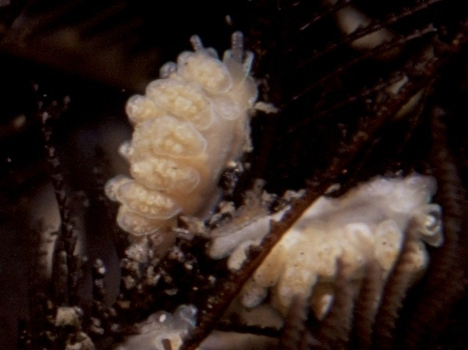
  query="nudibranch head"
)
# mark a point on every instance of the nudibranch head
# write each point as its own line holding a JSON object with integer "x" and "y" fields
{"x": 190, "y": 124}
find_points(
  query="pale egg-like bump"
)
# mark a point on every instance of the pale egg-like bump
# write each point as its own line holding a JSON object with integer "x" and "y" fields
{"x": 184, "y": 100}
{"x": 146, "y": 202}
{"x": 210, "y": 73}
{"x": 165, "y": 174}
{"x": 140, "y": 108}
{"x": 138, "y": 225}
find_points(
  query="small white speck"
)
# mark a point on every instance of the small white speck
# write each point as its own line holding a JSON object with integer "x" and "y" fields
{"x": 19, "y": 121}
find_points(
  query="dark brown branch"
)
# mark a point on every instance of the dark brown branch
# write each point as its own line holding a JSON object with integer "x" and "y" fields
{"x": 399, "y": 41}
{"x": 445, "y": 280}
{"x": 365, "y": 305}
{"x": 68, "y": 262}
{"x": 335, "y": 327}
{"x": 329, "y": 10}
{"x": 294, "y": 324}
{"x": 373, "y": 27}
{"x": 395, "y": 290}
{"x": 248, "y": 329}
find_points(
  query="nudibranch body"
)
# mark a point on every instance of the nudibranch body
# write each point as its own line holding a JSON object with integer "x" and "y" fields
{"x": 189, "y": 126}
{"x": 367, "y": 224}
{"x": 162, "y": 330}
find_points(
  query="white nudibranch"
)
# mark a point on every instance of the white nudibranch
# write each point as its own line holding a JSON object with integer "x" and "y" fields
{"x": 188, "y": 127}
{"x": 162, "y": 330}
{"x": 366, "y": 224}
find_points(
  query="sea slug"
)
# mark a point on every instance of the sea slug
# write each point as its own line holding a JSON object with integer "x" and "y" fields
{"x": 190, "y": 125}
{"x": 162, "y": 330}
{"x": 368, "y": 223}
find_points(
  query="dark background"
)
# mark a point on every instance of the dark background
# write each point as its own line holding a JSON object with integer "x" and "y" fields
{"x": 100, "y": 53}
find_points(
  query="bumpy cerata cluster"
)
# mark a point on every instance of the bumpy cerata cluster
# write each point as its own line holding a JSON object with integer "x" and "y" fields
{"x": 189, "y": 126}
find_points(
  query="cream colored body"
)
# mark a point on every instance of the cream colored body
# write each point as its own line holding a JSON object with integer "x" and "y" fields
{"x": 367, "y": 224}
{"x": 188, "y": 126}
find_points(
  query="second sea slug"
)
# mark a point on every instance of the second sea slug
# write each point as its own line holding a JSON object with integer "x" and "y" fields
{"x": 367, "y": 224}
